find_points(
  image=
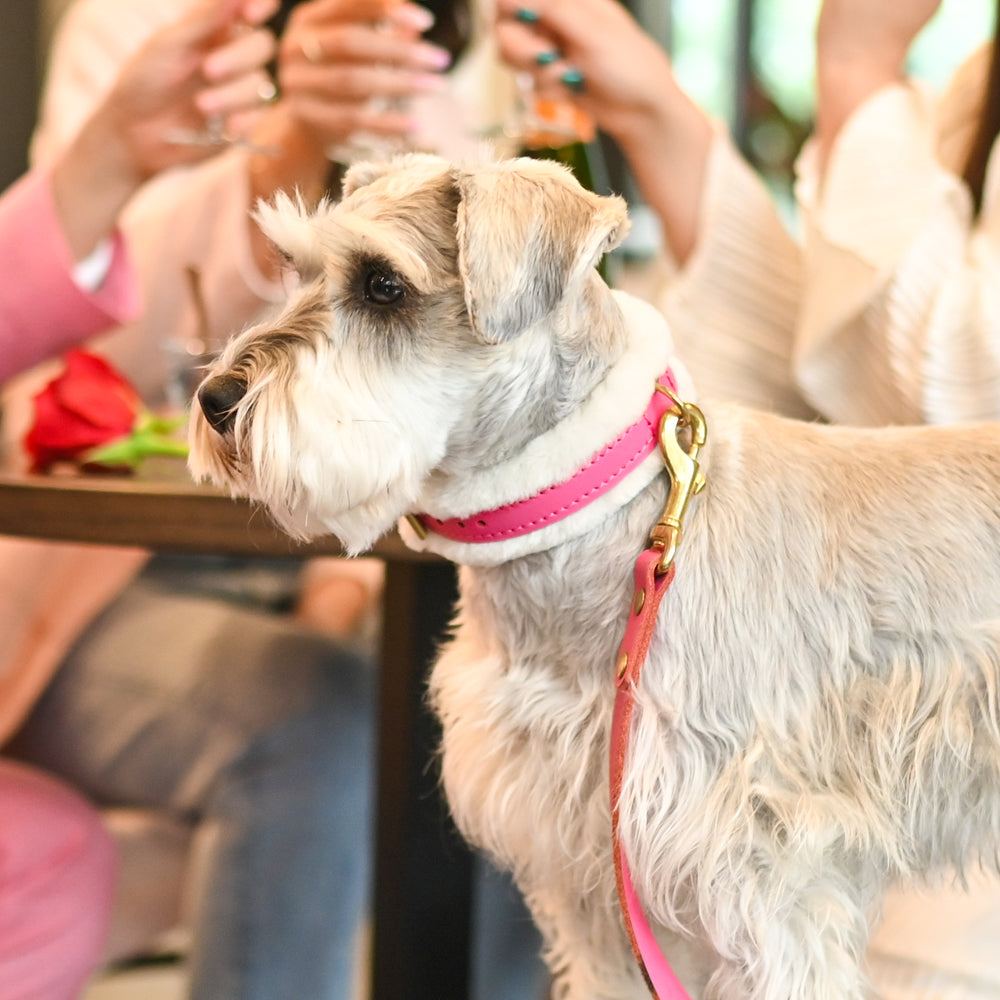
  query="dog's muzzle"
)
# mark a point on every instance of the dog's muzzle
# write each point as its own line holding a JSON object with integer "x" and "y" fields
{"x": 219, "y": 397}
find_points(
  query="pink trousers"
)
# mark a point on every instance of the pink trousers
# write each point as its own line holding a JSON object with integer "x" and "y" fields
{"x": 57, "y": 866}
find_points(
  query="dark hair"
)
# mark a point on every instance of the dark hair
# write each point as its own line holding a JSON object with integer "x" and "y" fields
{"x": 988, "y": 128}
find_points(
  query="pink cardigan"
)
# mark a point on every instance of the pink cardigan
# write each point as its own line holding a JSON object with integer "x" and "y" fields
{"x": 42, "y": 310}
{"x": 49, "y": 592}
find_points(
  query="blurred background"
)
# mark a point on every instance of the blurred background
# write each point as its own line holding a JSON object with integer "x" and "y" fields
{"x": 749, "y": 62}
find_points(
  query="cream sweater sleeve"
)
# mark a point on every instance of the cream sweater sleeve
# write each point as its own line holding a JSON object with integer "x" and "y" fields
{"x": 733, "y": 306}
{"x": 901, "y": 312}
{"x": 187, "y": 229}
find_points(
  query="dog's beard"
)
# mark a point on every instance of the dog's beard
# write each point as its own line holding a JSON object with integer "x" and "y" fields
{"x": 347, "y": 464}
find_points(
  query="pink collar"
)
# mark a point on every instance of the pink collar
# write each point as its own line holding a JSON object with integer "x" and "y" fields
{"x": 604, "y": 470}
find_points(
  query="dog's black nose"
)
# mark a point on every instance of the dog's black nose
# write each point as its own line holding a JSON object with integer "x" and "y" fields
{"x": 218, "y": 397}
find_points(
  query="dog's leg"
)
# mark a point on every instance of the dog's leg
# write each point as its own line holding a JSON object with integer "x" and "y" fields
{"x": 789, "y": 909}
{"x": 780, "y": 880}
{"x": 589, "y": 954}
{"x": 805, "y": 940}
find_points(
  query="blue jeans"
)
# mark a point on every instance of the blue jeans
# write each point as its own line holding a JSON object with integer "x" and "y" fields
{"x": 260, "y": 734}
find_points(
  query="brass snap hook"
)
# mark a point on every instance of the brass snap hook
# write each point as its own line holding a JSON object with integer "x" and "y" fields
{"x": 685, "y": 476}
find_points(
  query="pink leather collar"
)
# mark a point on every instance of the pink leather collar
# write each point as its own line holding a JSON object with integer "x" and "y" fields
{"x": 604, "y": 470}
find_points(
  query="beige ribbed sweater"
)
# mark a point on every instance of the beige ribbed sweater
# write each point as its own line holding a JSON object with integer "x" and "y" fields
{"x": 900, "y": 319}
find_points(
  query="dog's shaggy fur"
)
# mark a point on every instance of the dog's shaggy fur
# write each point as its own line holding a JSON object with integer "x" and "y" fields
{"x": 819, "y": 713}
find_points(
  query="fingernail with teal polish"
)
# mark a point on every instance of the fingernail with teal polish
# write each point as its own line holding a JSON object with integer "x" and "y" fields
{"x": 546, "y": 58}
{"x": 573, "y": 79}
{"x": 526, "y": 15}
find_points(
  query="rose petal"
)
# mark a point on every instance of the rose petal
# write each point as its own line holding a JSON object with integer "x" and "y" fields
{"x": 88, "y": 404}
{"x": 97, "y": 392}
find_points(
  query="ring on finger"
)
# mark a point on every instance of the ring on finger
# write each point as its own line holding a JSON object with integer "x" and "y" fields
{"x": 311, "y": 48}
{"x": 267, "y": 92}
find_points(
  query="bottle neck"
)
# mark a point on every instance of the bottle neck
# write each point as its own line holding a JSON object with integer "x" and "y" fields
{"x": 553, "y": 124}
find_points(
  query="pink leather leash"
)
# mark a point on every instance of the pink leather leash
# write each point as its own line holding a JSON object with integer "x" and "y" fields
{"x": 654, "y": 572}
{"x": 652, "y": 585}
{"x": 664, "y": 419}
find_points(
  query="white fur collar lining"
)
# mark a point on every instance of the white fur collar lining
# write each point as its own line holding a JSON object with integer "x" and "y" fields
{"x": 556, "y": 455}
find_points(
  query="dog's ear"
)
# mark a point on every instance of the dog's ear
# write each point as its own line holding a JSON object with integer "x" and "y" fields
{"x": 363, "y": 173}
{"x": 527, "y": 234}
{"x": 288, "y": 223}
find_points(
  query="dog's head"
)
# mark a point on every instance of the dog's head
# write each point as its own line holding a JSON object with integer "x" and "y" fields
{"x": 441, "y": 317}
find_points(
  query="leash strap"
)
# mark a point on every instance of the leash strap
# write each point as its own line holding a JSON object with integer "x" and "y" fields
{"x": 654, "y": 572}
{"x": 649, "y": 590}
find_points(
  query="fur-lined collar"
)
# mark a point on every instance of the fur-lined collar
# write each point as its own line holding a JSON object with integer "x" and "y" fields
{"x": 555, "y": 456}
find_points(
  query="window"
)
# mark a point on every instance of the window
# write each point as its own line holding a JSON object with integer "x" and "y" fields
{"x": 751, "y": 63}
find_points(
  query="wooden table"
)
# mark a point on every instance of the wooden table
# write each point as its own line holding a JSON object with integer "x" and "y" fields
{"x": 422, "y": 869}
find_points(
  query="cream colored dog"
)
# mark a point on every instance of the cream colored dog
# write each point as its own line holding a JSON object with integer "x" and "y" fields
{"x": 820, "y": 712}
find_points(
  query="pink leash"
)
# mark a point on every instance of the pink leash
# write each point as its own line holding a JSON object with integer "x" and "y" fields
{"x": 663, "y": 419}
{"x": 655, "y": 968}
{"x": 654, "y": 572}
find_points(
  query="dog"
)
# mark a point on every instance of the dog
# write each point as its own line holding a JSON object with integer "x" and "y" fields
{"x": 819, "y": 713}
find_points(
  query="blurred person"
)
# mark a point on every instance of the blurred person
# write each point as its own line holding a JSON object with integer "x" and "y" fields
{"x": 221, "y": 712}
{"x": 887, "y": 312}
{"x": 57, "y": 870}
{"x": 732, "y": 307}
{"x": 885, "y": 315}
{"x": 67, "y": 275}
{"x": 900, "y": 200}
{"x": 57, "y": 859}
{"x": 345, "y": 69}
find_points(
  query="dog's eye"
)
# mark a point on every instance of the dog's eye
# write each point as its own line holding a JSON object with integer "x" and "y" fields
{"x": 383, "y": 289}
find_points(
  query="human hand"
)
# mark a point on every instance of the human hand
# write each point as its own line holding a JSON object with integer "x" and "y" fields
{"x": 594, "y": 53}
{"x": 346, "y": 67}
{"x": 591, "y": 52}
{"x": 209, "y": 65}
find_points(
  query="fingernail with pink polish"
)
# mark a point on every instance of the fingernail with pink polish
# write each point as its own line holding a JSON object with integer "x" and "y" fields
{"x": 433, "y": 57}
{"x": 258, "y": 11}
{"x": 411, "y": 16}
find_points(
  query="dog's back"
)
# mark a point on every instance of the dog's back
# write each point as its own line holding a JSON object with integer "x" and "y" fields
{"x": 818, "y": 716}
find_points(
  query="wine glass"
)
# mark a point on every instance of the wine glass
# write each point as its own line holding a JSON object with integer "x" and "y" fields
{"x": 365, "y": 145}
{"x": 214, "y": 134}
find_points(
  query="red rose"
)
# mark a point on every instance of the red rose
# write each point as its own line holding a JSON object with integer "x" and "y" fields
{"x": 90, "y": 405}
